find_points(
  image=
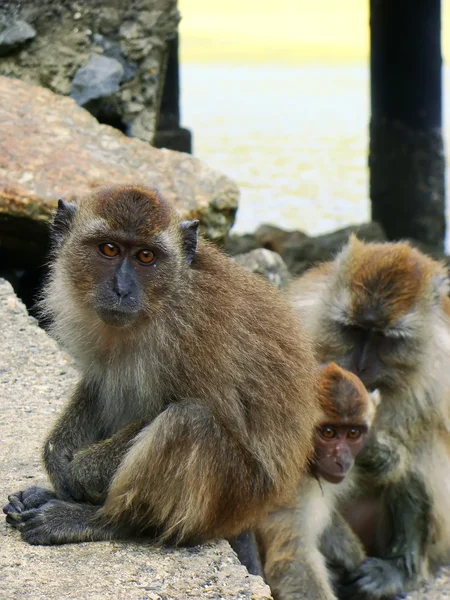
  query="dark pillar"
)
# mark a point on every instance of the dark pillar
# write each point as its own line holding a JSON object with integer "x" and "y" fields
{"x": 406, "y": 157}
{"x": 169, "y": 134}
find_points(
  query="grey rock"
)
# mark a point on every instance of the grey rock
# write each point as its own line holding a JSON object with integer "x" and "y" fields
{"x": 239, "y": 244}
{"x": 266, "y": 263}
{"x": 98, "y": 79}
{"x": 301, "y": 253}
{"x": 135, "y": 34}
{"x": 35, "y": 380}
{"x": 15, "y": 34}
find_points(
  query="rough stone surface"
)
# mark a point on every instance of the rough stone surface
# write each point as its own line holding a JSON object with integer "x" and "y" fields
{"x": 69, "y": 33}
{"x": 266, "y": 263}
{"x": 13, "y": 35}
{"x": 99, "y": 78}
{"x": 35, "y": 380}
{"x": 51, "y": 148}
{"x": 298, "y": 250}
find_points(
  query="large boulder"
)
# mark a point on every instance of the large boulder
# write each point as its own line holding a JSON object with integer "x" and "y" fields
{"x": 51, "y": 148}
{"x": 110, "y": 56}
{"x": 35, "y": 380}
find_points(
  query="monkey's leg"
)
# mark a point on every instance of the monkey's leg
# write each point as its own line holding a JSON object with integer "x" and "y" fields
{"x": 247, "y": 551}
{"x": 60, "y": 522}
{"x": 190, "y": 477}
{"x": 402, "y": 564}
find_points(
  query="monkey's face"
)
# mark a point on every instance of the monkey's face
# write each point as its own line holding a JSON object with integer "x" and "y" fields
{"x": 378, "y": 312}
{"x": 125, "y": 253}
{"x": 336, "y": 446}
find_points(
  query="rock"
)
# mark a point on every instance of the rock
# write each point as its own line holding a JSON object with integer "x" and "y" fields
{"x": 240, "y": 244}
{"x": 69, "y": 34}
{"x": 266, "y": 263}
{"x": 301, "y": 253}
{"x": 99, "y": 78}
{"x": 14, "y": 35}
{"x": 30, "y": 400}
{"x": 52, "y": 148}
{"x": 298, "y": 250}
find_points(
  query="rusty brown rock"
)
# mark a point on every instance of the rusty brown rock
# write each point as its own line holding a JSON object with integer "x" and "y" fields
{"x": 52, "y": 148}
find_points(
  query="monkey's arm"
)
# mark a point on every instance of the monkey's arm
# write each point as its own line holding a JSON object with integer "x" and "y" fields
{"x": 401, "y": 565}
{"x": 90, "y": 473}
{"x": 341, "y": 547}
{"x": 94, "y": 466}
{"x": 384, "y": 457}
{"x": 75, "y": 428}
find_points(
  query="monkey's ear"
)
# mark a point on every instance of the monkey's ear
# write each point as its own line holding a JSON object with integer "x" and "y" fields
{"x": 441, "y": 286}
{"x": 376, "y": 397}
{"x": 62, "y": 221}
{"x": 189, "y": 234}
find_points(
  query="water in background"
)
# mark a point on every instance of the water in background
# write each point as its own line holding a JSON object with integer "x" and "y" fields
{"x": 295, "y": 139}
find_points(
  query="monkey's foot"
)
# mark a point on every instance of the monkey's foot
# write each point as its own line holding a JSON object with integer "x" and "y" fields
{"x": 374, "y": 578}
{"x": 32, "y": 497}
{"x": 58, "y": 522}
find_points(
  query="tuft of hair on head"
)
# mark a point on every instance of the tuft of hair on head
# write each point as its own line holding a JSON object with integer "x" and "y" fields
{"x": 388, "y": 278}
{"x": 342, "y": 393}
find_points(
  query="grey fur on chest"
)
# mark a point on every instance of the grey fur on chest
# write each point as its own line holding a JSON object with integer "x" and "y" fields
{"x": 128, "y": 390}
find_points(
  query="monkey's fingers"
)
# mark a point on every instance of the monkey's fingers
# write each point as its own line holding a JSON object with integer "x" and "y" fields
{"x": 377, "y": 578}
{"x": 15, "y": 505}
{"x": 32, "y": 497}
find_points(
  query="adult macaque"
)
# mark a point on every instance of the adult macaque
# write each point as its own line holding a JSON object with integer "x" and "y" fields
{"x": 382, "y": 311}
{"x": 196, "y": 407}
{"x": 294, "y": 561}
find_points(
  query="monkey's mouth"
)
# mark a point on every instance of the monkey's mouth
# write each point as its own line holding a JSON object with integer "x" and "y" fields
{"x": 333, "y": 477}
{"x": 117, "y": 318}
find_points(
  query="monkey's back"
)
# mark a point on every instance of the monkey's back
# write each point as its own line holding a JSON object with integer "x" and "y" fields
{"x": 261, "y": 374}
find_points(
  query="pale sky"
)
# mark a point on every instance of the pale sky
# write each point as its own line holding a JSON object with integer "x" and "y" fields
{"x": 290, "y": 31}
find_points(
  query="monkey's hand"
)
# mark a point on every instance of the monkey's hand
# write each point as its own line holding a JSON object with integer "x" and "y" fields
{"x": 384, "y": 457}
{"x": 32, "y": 497}
{"x": 374, "y": 578}
{"x": 58, "y": 464}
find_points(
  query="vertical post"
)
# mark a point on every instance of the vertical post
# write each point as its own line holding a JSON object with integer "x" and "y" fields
{"x": 169, "y": 134}
{"x": 406, "y": 155}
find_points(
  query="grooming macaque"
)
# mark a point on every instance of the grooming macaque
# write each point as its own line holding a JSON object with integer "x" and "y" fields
{"x": 382, "y": 311}
{"x": 290, "y": 538}
{"x": 196, "y": 407}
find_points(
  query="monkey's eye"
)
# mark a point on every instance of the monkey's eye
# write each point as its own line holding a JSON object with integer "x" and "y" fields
{"x": 354, "y": 433}
{"x": 145, "y": 256}
{"x": 328, "y": 433}
{"x": 109, "y": 250}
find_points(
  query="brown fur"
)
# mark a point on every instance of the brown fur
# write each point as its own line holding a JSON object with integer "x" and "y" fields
{"x": 391, "y": 300}
{"x": 341, "y": 394}
{"x": 295, "y": 564}
{"x": 215, "y": 366}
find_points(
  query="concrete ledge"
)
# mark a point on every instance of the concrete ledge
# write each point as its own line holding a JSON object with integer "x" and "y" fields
{"x": 35, "y": 380}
